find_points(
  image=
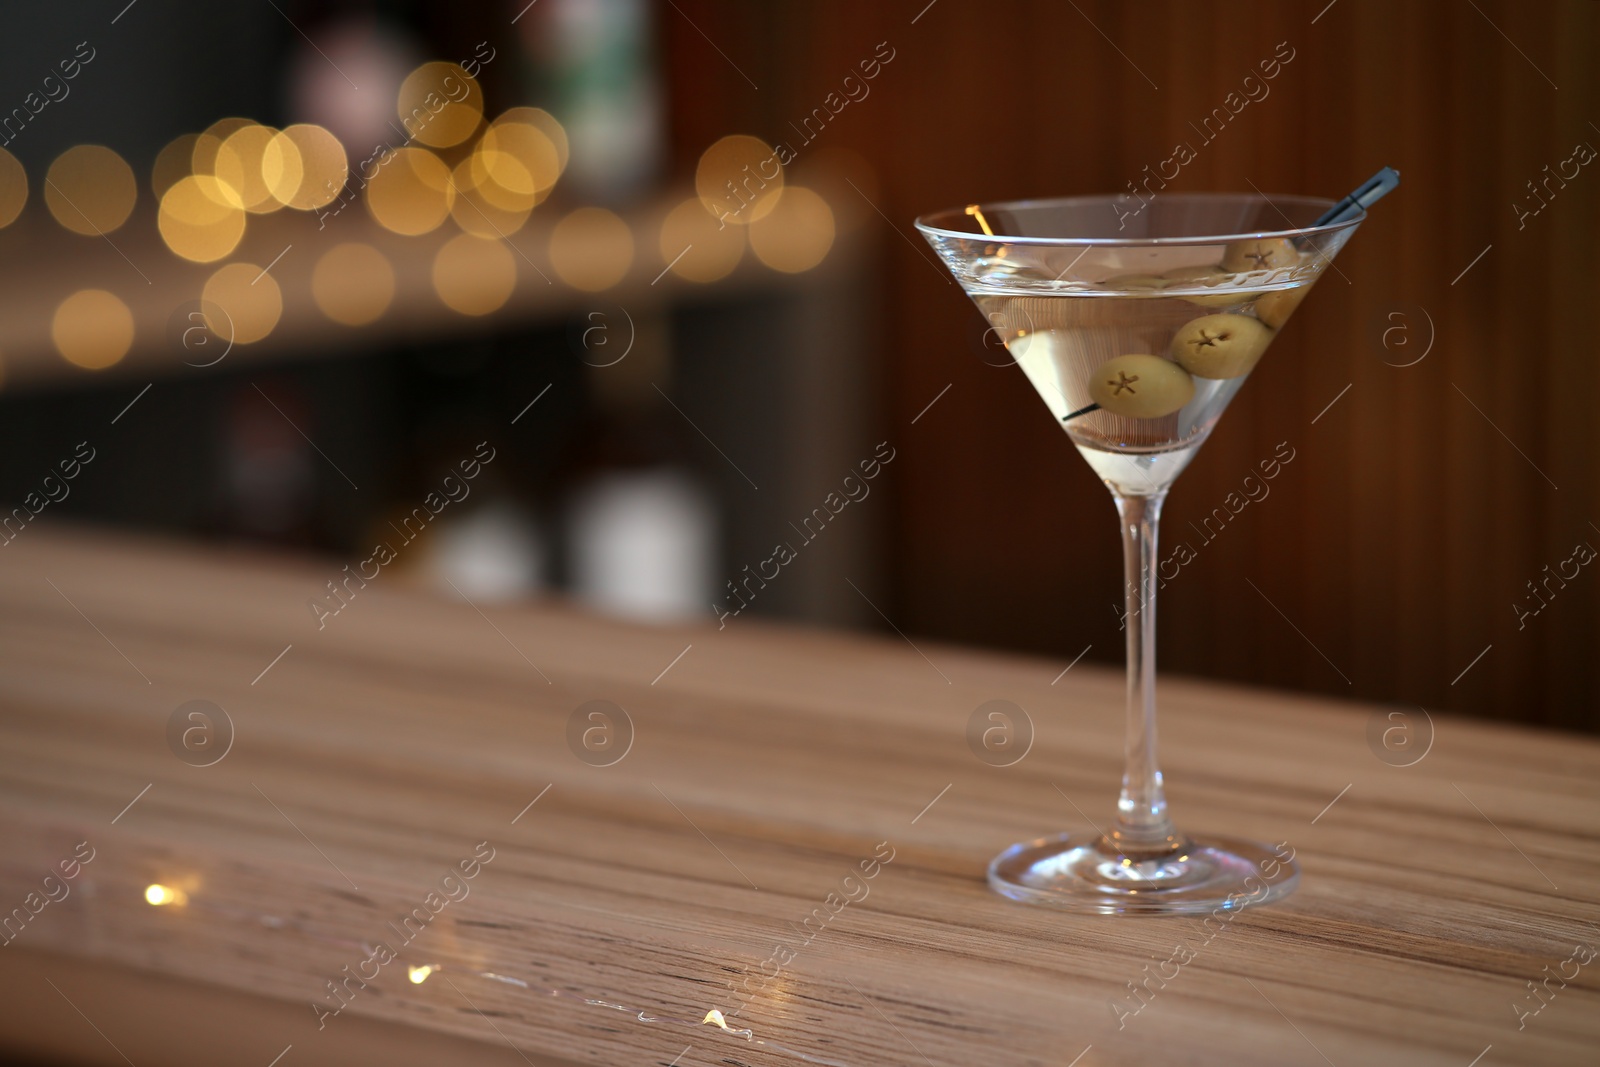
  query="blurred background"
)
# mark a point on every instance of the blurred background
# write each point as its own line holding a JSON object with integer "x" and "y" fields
{"x": 279, "y": 268}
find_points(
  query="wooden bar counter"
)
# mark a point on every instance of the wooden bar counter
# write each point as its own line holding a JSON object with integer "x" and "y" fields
{"x": 792, "y": 833}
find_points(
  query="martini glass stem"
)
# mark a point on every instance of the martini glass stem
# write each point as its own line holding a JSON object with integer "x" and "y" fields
{"x": 1142, "y": 828}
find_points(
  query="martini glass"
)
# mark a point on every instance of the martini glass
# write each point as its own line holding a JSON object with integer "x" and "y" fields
{"x": 1137, "y": 321}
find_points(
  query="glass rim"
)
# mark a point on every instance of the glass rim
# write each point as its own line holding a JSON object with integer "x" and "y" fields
{"x": 923, "y": 224}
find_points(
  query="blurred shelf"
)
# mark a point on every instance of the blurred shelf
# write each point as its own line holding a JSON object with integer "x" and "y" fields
{"x": 775, "y": 370}
{"x": 47, "y": 264}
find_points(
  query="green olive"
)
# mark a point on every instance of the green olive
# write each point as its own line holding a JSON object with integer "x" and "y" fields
{"x": 1141, "y": 386}
{"x": 1220, "y": 346}
{"x": 1274, "y": 308}
{"x": 1270, "y": 253}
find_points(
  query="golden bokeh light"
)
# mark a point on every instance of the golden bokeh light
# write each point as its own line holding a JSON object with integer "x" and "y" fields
{"x": 305, "y": 167}
{"x": 474, "y": 276}
{"x": 481, "y": 171}
{"x": 92, "y": 329}
{"x": 283, "y": 169}
{"x": 411, "y": 194}
{"x": 545, "y": 123}
{"x": 697, "y": 246}
{"x": 440, "y": 105}
{"x": 515, "y": 166}
{"x": 739, "y": 179}
{"x": 238, "y": 164}
{"x": 13, "y": 188}
{"x": 798, "y": 233}
{"x": 248, "y": 299}
{"x": 198, "y": 222}
{"x": 159, "y": 896}
{"x": 209, "y": 143}
{"x": 173, "y": 163}
{"x": 478, "y": 215}
{"x": 90, "y": 190}
{"x": 591, "y": 249}
{"x": 353, "y": 284}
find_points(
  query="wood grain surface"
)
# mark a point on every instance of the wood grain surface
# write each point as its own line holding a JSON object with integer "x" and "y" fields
{"x": 766, "y": 764}
{"x": 161, "y": 1021}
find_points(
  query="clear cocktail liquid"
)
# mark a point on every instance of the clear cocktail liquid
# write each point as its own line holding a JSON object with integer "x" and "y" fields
{"x": 1061, "y": 339}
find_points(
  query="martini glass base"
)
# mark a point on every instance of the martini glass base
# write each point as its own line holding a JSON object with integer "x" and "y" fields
{"x": 1079, "y": 872}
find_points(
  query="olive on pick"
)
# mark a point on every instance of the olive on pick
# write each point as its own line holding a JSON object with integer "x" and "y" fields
{"x": 1140, "y": 386}
{"x": 1274, "y": 308}
{"x": 1267, "y": 253}
{"x": 1220, "y": 346}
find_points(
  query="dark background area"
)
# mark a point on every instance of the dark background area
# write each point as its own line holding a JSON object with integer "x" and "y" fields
{"x": 1388, "y": 560}
{"x": 1415, "y": 512}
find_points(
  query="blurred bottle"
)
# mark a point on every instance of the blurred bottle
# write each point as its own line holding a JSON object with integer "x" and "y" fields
{"x": 269, "y": 471}
{"x": 640, "y": 527}
{"x": 494, "y": 551}
{"x": 594, "y": 68}
{"x": 642, "y": 544}
{"x": 482, "y": 537}
{"x": 356, "y": 49}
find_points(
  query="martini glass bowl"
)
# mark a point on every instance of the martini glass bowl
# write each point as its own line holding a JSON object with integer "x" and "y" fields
{"x": 1137, "y": 321}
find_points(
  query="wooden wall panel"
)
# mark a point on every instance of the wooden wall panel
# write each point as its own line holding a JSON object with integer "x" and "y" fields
{"x": 1420, "y": 504}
